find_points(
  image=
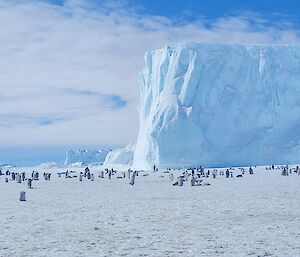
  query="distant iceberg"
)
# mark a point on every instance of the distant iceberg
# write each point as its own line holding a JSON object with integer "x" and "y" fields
{"x": 85, "y": 157}
{"x": 6, "y": 165}
{"x": 219, "y": 105}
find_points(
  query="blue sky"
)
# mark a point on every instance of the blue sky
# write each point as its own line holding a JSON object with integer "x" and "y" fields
{"x": 217, "y": 8}
{"x": 69, "y": 69}
{"x": 189, "y": 10}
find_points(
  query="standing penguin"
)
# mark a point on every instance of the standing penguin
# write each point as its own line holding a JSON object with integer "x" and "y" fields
{"x": 186, "y": 176}
{"x": 128, "y": 173}
{"x": 227, "y": 173}
{"x": 250, "y": 170}
{"x": 132, "y": 180}
{"x": 23, "y": 176}
{"x": 193, "y": 181}
{"x": 86, "y": 171}
{"x": 22, "y": 196}
{"x": 180, "y": 181}
{"x": 29, "y": 183}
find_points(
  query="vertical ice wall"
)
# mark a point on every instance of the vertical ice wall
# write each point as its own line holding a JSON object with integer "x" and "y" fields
{"x": 219, "y": 105}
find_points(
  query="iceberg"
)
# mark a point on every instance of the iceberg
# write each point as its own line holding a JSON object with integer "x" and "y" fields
{"x": 6, "y": 166}
{"x": 85, "y": 157}
{"x": 219, "y": 105}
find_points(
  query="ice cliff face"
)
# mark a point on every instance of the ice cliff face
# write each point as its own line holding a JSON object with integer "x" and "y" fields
{"x": 219, "y": 105}
{"x": 85, "y": 157}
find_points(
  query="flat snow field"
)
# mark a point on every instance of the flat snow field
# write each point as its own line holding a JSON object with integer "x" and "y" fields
{"x": 256, "y": 215}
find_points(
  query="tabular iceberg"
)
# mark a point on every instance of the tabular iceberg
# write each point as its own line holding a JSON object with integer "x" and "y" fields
{"x": 219, "y": 105}
{"x": 85, "y": 157}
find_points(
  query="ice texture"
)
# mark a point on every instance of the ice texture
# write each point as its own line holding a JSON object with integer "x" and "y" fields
{"x": 123, "y": 156}
{"x": 219, "y": 105}
{"x": 85, "y": 157}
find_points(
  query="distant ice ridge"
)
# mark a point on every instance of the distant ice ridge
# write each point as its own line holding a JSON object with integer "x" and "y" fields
{"x": 6, "y": 165}
{"x": 122, "y": 156}
{"x": 48, "y": 165}
{"x": 219, "y": 105}
{"x": 85, "y": 157}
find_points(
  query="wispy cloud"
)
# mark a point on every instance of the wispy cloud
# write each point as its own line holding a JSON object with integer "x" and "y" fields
{"x": 72, "y": 67}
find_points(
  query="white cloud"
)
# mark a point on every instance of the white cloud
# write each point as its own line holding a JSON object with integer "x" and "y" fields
{"x": 46, "y": 50}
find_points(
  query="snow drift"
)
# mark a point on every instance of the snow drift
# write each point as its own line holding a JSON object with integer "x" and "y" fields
{"x": 219, "y": 105}
{"x": 122, "y": 156}
{"x": 85, "y": 157}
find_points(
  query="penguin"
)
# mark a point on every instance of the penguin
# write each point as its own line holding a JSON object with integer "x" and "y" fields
{"x": 227, "y": 173}
{"x": 22, "y": 196}
{"x": 19, "y": 179}
{"x": 193, "y": 181}
{"x": 29, "y": 183}
{"x": 180, "y": 181}
{"x": 132, "y": 180}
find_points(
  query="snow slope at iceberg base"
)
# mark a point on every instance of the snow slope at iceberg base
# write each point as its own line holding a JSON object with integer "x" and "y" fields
{"x": 120, "y": 157}
{"x": 219, "y": 105}
{"x": 85, "y": 157}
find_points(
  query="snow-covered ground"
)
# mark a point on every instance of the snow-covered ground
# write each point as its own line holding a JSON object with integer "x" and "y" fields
{"x": 256, "y": 215}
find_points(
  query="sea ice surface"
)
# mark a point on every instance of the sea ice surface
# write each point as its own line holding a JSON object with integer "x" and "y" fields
{"x": 256, "y": 215}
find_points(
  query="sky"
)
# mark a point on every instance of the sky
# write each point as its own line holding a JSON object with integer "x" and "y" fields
{"x": 69, "y": 68}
